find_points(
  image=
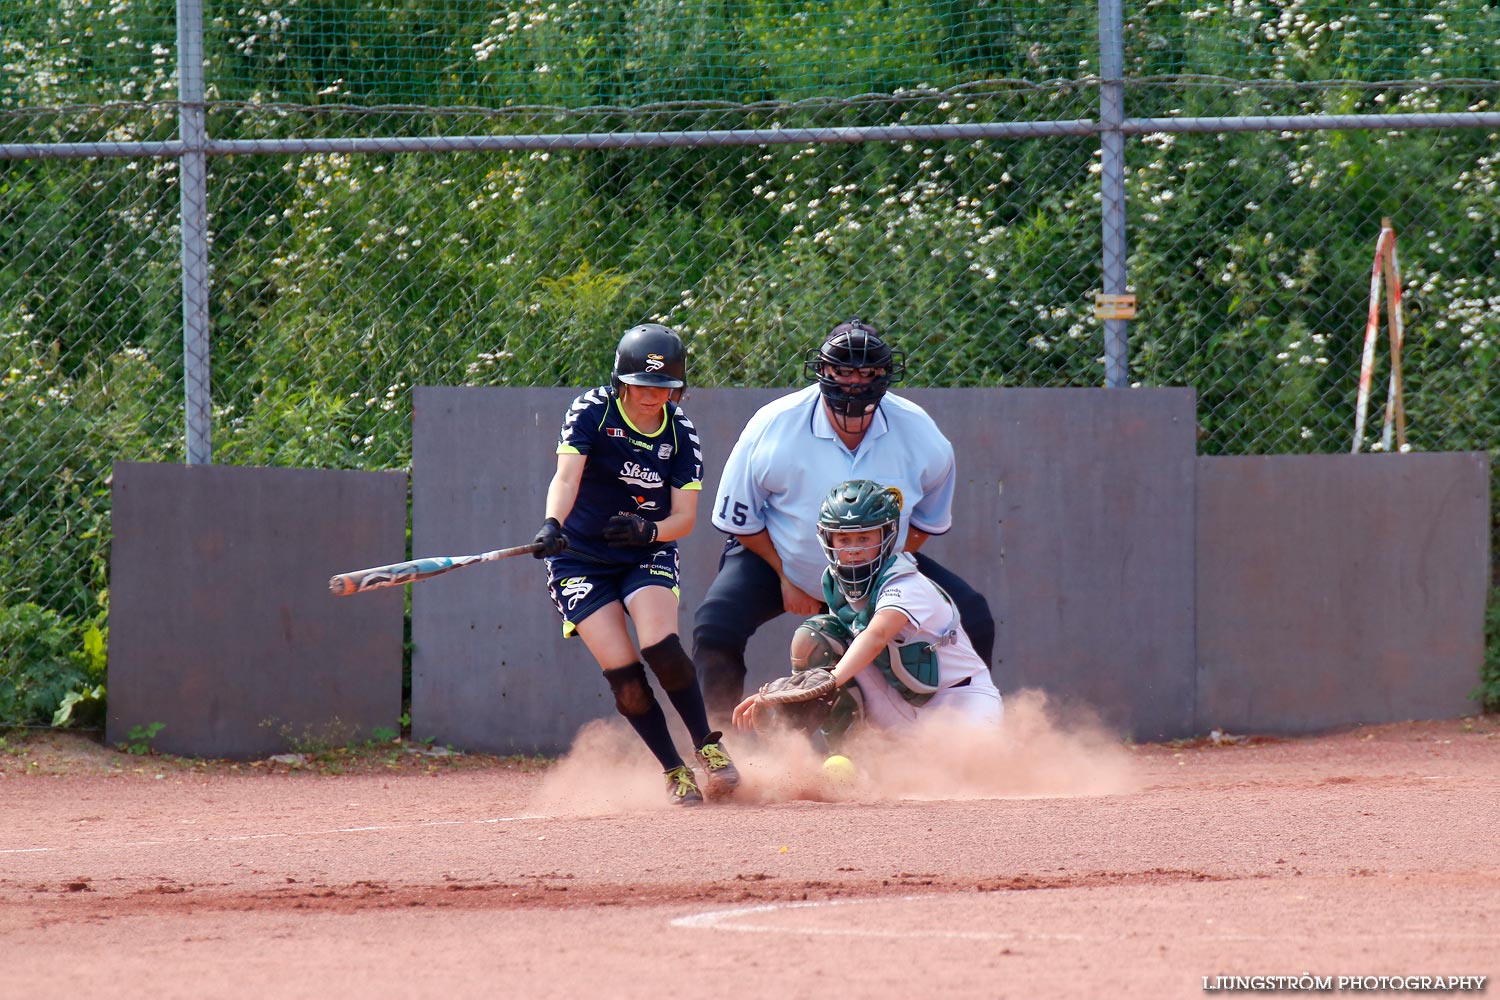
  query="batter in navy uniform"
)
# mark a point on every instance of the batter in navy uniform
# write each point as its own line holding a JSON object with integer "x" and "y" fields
{"x": 629, "y": 474}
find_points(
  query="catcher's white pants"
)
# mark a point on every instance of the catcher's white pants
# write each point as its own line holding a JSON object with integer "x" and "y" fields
{"x": 977, "y": 703}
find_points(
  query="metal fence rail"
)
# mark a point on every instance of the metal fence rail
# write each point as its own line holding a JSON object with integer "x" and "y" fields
{"x": 256, "y": 262}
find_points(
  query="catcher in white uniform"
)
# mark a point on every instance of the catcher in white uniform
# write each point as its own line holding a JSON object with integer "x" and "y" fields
{"x": 891, "y": 631}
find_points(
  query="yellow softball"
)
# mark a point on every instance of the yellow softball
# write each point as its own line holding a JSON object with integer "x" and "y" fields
{"x": 839, "y": 770}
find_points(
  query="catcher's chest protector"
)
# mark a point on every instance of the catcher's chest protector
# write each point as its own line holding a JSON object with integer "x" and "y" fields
{"x": 913, "y": 672}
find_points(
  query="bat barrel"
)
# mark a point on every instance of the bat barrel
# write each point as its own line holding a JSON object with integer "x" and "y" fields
{"x": 397, "y": 574}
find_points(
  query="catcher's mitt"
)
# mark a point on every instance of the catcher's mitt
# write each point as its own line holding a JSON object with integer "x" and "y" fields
{"x": 800, "y": 702}
{"x": 804, "y": 685}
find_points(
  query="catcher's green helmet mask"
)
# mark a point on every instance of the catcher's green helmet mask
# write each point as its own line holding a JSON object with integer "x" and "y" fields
{"x": 859, "y": 505}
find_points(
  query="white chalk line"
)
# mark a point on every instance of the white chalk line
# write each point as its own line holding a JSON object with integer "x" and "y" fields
{"x": 732, "y": 920}
{"x": 736, "y": 920}
{"x": 212, "y": 839}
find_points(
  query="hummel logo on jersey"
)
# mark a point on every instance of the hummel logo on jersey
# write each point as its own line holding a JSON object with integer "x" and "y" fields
{"x": 634, "y": 474}
{"x": 655, "y": 362}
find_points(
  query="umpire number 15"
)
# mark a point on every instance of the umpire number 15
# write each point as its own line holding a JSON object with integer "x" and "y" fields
{"x": 738, "y": 520}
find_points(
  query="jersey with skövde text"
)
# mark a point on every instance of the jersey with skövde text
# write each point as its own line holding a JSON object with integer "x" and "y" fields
{"x": 627, "y": 472}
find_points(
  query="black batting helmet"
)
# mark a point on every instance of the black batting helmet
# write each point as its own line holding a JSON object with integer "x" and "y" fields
{"x": 854, "y": 344}
{"x": 650, "y": 354}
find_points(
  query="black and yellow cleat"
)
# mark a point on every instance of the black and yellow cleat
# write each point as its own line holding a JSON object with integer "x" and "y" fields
{"x": 722, "y": 777}
{"x": 682, "y": 787}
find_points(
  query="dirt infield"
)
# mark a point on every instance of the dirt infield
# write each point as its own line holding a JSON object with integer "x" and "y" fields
{"x": 1058, "y": 863}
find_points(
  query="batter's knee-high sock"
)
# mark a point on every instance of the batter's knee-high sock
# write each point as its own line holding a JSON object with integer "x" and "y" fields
{"x": 674, "y": 669}
{"x": 635, "y": 700}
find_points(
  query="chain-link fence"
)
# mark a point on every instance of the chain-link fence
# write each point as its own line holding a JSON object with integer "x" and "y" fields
{"x": 448, "y": 192}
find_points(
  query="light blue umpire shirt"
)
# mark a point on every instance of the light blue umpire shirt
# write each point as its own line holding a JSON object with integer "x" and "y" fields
{"x": 788, "y": 457}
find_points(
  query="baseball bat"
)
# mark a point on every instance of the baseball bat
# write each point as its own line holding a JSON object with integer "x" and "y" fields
{"x": 396, "y": 574}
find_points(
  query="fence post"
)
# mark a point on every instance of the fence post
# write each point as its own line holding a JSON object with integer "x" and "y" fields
{"x": 1112, "y": 184}
{"x": 193, "y": 206}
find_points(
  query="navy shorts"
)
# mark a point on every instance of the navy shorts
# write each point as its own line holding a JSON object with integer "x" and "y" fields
{"x": 579, "y": 586}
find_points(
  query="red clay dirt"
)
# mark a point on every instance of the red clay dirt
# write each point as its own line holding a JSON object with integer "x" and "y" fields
{"x": 1056, "y": 862}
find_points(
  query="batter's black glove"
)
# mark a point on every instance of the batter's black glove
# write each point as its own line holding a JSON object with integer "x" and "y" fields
{"x": 550, "y": 538}
{"x": 629, "y": 529}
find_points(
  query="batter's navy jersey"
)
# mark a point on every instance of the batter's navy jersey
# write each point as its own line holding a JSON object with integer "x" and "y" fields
{"x": 628, "y": 471}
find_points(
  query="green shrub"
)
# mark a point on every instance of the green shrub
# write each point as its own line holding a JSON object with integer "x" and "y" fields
{"x": 85, "y": 705}
{"x": 1488, "y": 692}
{"x": 40, "y": 662}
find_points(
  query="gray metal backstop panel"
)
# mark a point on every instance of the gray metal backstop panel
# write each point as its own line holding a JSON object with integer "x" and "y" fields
{"x": 1075, "y": 516}
{"x": 1168, "y": 592}
{"x": 490, "y": 670}
{"x": 221, "y": 624}
{"x": 1086, "y": 555}
{"x": 1338, "y": 589}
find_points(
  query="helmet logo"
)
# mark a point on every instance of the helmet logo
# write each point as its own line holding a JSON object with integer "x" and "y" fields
{"x": 650, "y": 355}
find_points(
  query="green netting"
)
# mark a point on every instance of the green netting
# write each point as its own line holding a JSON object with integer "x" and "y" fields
{"x": 62, "y": 52}
{"x": 596, "y": 53}
{"x": 1314, "y": 40}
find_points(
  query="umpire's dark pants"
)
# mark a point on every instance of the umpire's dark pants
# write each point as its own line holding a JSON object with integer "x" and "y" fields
{"x": 746, "y": 594}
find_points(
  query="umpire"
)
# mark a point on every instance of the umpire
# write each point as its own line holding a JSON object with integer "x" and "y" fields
{"x": 790, "y": 454}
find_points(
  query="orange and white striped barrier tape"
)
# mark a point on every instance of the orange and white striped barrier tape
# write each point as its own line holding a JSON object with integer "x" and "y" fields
{"x": 1385, "y": 265}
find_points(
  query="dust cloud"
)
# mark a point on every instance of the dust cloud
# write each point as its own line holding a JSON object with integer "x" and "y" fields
{"x": 1039, "y": 751}
{"x": 608, "y": 770}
